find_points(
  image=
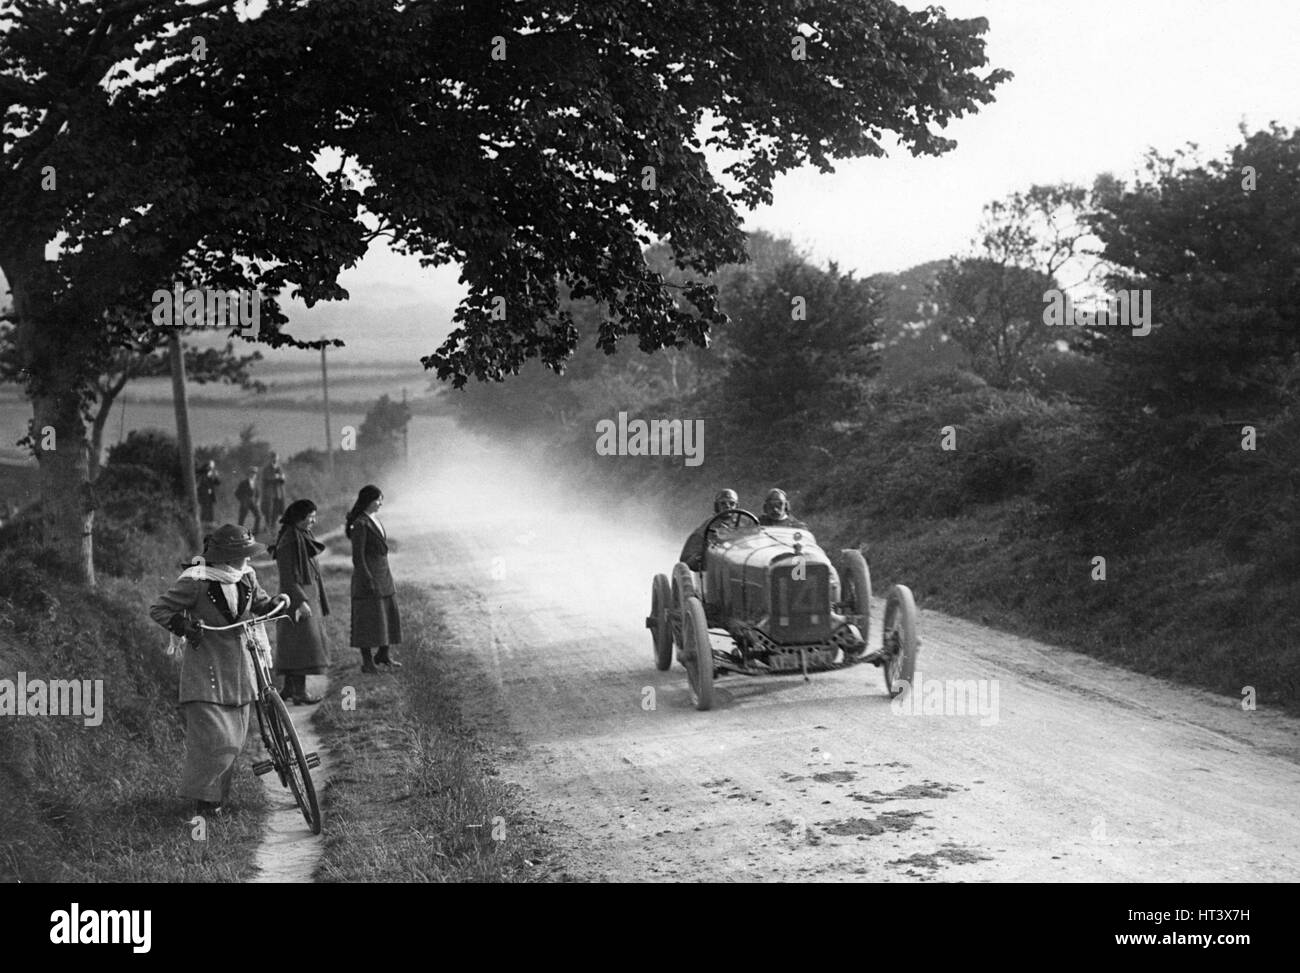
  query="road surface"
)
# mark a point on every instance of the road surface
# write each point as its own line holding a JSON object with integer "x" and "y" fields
{"x": 1073, "y": 771}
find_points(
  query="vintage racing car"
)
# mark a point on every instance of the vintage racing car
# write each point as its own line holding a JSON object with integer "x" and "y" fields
{"x": 784, "y": 605}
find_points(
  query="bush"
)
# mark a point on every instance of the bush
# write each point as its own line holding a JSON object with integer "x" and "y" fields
{"x": 150, "y": 450}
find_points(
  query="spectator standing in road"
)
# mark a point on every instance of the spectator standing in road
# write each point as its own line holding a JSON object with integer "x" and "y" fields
{"x": 248, "y": 494}
{"x": 273, "y": 490}
{"x": 208, "y": 481}
{"x": 375, "y": 622}
{"x": 300, "y": 644}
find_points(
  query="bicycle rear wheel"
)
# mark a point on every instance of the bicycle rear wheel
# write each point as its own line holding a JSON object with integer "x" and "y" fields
{"x": 296, "y": 769}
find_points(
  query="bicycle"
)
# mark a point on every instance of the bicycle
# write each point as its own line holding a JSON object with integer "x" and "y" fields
{"x": 278, "y": 734}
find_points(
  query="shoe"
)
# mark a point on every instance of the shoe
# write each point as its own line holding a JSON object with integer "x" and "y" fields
{"x": 209, "y": 809}
{"x": 382, "y": 659}
{"x": 305, "y": 700}
{"x": 368, "y": 664}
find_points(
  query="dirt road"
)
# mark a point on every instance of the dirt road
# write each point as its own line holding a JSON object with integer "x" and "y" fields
{"x": 1074, "y": 771}
{"x": 289, "y": 852}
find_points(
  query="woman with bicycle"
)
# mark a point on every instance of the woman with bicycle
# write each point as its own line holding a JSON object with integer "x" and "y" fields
{"x": 217, "y": 682}
{"x": 300, "y": 644}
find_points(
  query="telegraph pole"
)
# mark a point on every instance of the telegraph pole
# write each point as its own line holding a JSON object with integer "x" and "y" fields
{"x": 325, "y": 386}
{"x": 183, "y": 441}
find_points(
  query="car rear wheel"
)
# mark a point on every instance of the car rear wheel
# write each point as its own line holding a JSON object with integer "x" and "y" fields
{"x": 899, "y": 639}
{"x": 697, "y": 653}
{"x": 855, "y": 592}
{"x": 659, "y": 622}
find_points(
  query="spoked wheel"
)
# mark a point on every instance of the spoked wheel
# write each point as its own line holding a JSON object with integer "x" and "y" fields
{"x": 697, "y": 653}
{"x": 683, "y": 587}
{"x": 293, "y": 765}
{"x": 899, "y": 639}
{"x": 659, "y": 622}
{"x": 855, "y": 592}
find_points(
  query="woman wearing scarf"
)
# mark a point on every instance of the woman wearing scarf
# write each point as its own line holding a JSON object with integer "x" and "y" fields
{"x": 217, "y": 683}
{"x": 375, "y": 622}
{"x": 300, "y": 644}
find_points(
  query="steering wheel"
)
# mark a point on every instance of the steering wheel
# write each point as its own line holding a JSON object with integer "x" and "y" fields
{"x": 732, "y": 515}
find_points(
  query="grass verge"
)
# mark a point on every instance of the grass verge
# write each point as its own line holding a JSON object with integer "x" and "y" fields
{"x": 99, "y": 803}
{"x": 415, "y": 795}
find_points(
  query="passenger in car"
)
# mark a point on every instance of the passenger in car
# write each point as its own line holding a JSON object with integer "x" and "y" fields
{"x": 693, "y": 551}
{"x": 776, "y": 511}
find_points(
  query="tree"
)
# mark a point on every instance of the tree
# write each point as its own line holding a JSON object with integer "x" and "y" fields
{"x": 1045, "y": 230}
{"x": 994, "y": 312}
{"x": 987, "y": 300}
{"x": 383, "y": 427}
{"x": 1218, "y": 245}
{"x": 539, "y": 144}
{"x": 912, "y": 343}
{"x": 802, "y": 345}
{"x": 593, "y": 383}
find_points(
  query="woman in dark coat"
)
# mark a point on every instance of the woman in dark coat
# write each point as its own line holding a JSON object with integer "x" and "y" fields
{"x": 217, "y": 682}
{"x": 300, "y": 643}
{"x": 375, "y": 621}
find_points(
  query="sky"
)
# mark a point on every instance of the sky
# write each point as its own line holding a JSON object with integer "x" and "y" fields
{"x": 1097, "y": 83}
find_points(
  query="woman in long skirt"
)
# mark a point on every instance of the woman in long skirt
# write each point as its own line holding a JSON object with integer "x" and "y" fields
{"x": 375, "y": 622}
{"x": 217, "y": 683}
{"x": 300, "y": 649}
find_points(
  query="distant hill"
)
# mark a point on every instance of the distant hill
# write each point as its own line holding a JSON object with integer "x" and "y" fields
{"x": 372, "y": 331}
{"x": 912, "y": 344}
{"x": 381, "y": 323}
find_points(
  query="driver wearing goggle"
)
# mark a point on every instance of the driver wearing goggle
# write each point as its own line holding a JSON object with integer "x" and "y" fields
{"x": 693, "y": 551}
{"x": 776, "y": 511}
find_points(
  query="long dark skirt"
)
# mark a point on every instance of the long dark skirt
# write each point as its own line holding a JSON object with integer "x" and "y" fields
{"x": 375, "y": 622}
{"x": 300, "y": 646}
{"x": 214, "y": 736}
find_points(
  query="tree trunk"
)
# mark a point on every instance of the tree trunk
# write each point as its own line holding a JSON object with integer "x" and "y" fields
{"x": 183, "y": 442}
{"x": 58, "y": 430}
{"x": 97, "y": 435}
{"x": 108, "y": 392}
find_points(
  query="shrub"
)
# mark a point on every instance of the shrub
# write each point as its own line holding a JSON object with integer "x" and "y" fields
{"x": 151, "y": 450}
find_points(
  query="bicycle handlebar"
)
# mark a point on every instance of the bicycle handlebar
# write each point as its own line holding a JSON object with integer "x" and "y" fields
{"x": 281, "y": 603}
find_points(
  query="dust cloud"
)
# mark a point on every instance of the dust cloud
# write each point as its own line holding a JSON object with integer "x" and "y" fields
{"x": 524, "y": 524}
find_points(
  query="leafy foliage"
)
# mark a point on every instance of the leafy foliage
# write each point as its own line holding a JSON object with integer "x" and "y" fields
{"x": 994, "y": 312}
{"x": 538, "y": 144}
{"x": 149, "y": 453}
{"x": 1221, "y": 262}
{"x": 802, "y": 345}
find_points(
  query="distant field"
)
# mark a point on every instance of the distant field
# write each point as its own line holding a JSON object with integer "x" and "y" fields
{"x": 219, "y": 412}
{"x": 288, "y": 431}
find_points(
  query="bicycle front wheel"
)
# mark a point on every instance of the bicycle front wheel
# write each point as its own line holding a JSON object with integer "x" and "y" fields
{"x": 297, "y": 766}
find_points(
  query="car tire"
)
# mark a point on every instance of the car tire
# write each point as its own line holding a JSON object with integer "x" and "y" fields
{"x": 856, "y": 578}
{"x": 683, "y": 587}
{"x": 899, "y": 639}
{"x": 660, "y": 622}
{"x": 698, "y": 652}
